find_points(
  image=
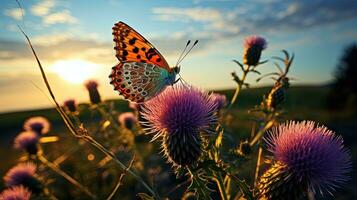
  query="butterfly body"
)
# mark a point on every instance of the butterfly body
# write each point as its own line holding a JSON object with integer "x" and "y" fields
{"x": 142, "y": 72}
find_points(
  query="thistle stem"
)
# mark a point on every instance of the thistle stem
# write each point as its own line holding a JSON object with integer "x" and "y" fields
{"x": 56, "y": 169}
{"x": 260, "y": 153}
{"x": 239, "y": 87}
{"x": 221, "y": 187}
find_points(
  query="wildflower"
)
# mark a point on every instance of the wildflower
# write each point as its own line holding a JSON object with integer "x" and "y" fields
{"x": 70, "y": 105}
{"x": 39, "y": 125}
{"x": 23, "y": 174}
{"x": 179, "y": 114}
{"x": 307, "y": 155}
{"x": 16, "y": 193}
{"x": 27, "y": 140}
{"x": 127, "y": 120}
{"x": 220, "y": 100}
{"x": 253, "y": 47}
{"x": 94, "y": 95}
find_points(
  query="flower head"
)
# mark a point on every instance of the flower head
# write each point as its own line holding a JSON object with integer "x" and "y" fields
{"x": 70, "y": 105}
{"x": 255, "y": 41}
{"x": 312, "y": 153}
{"x": 16, "y": 193}
{"x": 220, "y": 100}
{"x": 127, "y": 120}
{"x": 92, "y": 87}
{"x": 39, "y": 125}
{"x": 253, "y": 47}
{"x": 179, "y": 114}
{"x": 27, "y": 140}
{"x": 23, "y": 174}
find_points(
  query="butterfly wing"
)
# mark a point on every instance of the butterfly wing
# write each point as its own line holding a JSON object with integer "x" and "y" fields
{"x": 130, "y": 46}
{"x": 139, "y": 81}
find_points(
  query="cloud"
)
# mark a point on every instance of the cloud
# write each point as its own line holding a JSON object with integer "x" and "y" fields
{"x": 42, "y": 8}
{"x": 51, "y": 39}
{"x": 187, "y": 14}
{"x": 262, "y": 17}
{"x": 63, "y": 17}
{"x": 15, "y": 13}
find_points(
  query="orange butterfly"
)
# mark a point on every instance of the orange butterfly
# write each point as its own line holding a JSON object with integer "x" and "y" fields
{"x": 142, "y": 72}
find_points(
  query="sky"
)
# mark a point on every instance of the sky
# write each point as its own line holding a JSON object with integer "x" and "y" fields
{"x": 73, "y": 39}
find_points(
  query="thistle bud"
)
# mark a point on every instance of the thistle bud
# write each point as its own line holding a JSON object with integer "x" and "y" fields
{"x": 23, "y": 174}
{"x": 127, "y": 120}
{"x": 27, "y": 141}
{"x": 16, "y": 193}
{"x": 277, "y": 183}
{"x": 70, "y": 105}
{"x": 182, "y": 148}
{"x": 276, "y": 97}
{"x": 39, "y": 125}
{"x": 253, "y": 47}
{"x": 92, "y": 87}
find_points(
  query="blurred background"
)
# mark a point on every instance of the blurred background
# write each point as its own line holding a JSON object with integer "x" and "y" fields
{"x": 74, "y": 42}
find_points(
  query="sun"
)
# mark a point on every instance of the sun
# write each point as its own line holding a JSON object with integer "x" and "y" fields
{"x": 74, "y": 71}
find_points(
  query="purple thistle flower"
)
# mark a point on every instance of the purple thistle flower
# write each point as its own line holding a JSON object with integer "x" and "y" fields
{"x": 70, "y": 105}
{"x": 92, "y": 87}
{"x": 39, "y": 125}
{"x": 127, "y": 120}
{"x": 255, "y": 41}
{"x": 27, "y": 141}
{"x": 179, "y": 114}
{"x": 313, "y": 154}
{"x": 253, "y": 47}
{"x": 220, "y": 100}
{"x": 23, "y": 174}
{"x": 16, "y": 193}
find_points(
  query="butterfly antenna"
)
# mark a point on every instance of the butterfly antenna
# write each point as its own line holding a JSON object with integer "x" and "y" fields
{"x": 194, "y": 44}
{"x": 188, "y": 42}
{"x": 182, "y": 80}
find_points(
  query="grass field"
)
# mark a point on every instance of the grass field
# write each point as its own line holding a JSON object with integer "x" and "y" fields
{"x": 303, "y": 103}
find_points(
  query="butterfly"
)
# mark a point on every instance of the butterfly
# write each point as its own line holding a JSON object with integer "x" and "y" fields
{"x": 142, "y": 72}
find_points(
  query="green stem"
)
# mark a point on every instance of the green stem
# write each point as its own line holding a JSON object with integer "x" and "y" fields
{"x": 221, "y": 187}
{"x": 56, "y": 169}
{"x": 260, "y": 152}
{"x": 239, "y": 87}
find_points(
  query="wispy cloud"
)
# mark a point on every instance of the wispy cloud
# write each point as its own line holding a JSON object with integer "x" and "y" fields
{"x": 198, "y": 14}
{"x": 63, "y": 17}
{"x": 42, "y": 8}
{"x": 15, "y": 13}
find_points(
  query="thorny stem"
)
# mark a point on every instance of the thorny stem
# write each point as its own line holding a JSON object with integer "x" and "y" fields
{"x": 239, "y": 87}
{"x": 56, "y": 169}
{"x": 73, "y": 130}
{"x": 260, "y": 153}
{"x": 261, "y": 132}
{"x": 221, "y": 187}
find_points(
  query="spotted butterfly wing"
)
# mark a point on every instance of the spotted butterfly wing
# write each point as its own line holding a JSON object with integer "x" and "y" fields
{"x": 131, "y": 46}
{"x": 142, "y": 72}
{"x": 139, "y": 81}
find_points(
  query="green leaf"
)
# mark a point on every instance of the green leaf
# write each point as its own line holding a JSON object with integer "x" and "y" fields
{"x": 240, "y": 64}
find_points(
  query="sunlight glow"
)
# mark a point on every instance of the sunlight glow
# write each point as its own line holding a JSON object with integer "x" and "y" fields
{"x": 74, "y": 71}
